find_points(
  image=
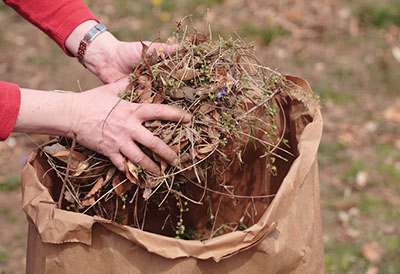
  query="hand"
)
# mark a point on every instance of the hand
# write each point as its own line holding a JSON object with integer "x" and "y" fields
{"x": 111, "y": 61}
{"x": 112, "y": 126}
{"x": 101, "y": 121}
{"x": 107, "y": 57}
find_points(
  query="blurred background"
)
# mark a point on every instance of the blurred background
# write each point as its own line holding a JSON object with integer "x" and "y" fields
{"x": 349, "y": 51}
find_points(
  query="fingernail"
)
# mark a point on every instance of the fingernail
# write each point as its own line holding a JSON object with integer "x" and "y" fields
{"x": 176, "y": 162}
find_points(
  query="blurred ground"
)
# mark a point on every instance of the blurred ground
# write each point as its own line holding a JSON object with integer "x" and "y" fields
{"x": 348, "y": 50}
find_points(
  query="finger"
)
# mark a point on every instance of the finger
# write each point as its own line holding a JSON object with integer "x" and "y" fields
{"x": 147, "y": 112}
{"x": 156, "y": 145}
{"x": 118, "y": 161}
{"x": 167, "y": 49}
{"x": 133, "y": 153}
{"x": 118, "y": 86}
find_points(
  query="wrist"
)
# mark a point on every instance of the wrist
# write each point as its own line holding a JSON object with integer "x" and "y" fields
{"x": 98, "y": 52}
{"x": 73, "y": 40}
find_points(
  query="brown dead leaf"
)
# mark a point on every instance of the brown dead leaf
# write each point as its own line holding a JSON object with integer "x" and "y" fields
{"x": 178, "y": 147}
{"x": 179, "y": 138}
{"x": 372, "y": 252}
{"x": 120, "y": 189}
{"x": 392, "y": 114}
{"x": 343, "y": 218}
{"x": 158, "y": 98}
{"x": 130, "y": 172}
{"x": 189, "y": 93}
{"x": 185, "y": 157}
{"x": 205, "y": 149}
{"x": 82, "y": 166}
{"x": 167, "y": 135}
{"x": 206, "y": 108}
{"x": 176, "y": 93}
{"x": 344, "y": 205}
{"x": 189, "y": 135}
{"x": 221, "y": 72}
{"x": 64, "y": 154}
{"x": 361, "y": 180}
{"x": 162, "y": 162}
{"x": 110, "y": 173}
{"x": 150, "y": 182}
{"x": 153, "y": 58}
{"x": 215, "y": 115}
{"x": 68, "y": 196}
{"x": 145, "y": 96}
{"x": 197, "y": 38}
{"x": 348, "y": 139}
{"x": 146, "y": 193}
{"x": 153, "y": 124}
{"x": 391, "y": 197}
{"x": 372, "y": 270}
{"x": 185, "y": 74}
{"x": 53, "y": 149}
{"x": 353, "y": 233}
{"x": 175, "y": 148}
{"x": 89, "y": 198}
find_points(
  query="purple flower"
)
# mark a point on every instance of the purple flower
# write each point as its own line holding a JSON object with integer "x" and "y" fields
{"x": 223, "y": 91}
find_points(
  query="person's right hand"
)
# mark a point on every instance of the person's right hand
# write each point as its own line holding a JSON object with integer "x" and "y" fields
{"x": 101, "y": 121}
{"x": 113, "y": 127}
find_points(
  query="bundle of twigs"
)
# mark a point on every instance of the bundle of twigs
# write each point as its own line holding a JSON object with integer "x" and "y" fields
{"x": 233, "y": 101}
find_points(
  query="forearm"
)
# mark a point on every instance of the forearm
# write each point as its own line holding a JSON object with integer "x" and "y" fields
{"x": 45, "y": 112}
{"x": 56, "y": 18}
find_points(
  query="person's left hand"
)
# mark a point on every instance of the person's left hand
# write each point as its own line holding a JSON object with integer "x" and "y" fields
{"x": 107, "y": 57}
{"x": 114, "y": 60}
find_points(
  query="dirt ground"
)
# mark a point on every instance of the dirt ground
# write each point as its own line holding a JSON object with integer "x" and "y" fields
{"x": 348, "y": 50}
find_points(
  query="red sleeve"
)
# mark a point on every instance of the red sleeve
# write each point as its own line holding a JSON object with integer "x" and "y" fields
{"x": 10, "y": 99}
{"x": 57, "y": 18}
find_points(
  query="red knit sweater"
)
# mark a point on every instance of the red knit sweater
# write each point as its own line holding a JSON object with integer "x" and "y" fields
{"x": 57, "y": 19}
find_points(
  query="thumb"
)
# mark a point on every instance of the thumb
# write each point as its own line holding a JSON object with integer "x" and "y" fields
{"x": 167, "y": 49}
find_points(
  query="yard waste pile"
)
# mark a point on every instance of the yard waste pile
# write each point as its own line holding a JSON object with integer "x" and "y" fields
{"x": 244, "y": 196}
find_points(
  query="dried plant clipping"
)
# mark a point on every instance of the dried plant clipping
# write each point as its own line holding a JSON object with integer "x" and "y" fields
{"x": 235, "y": 103}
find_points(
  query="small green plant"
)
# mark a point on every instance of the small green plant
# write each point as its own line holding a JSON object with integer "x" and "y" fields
{"x": 380, "y": 15}
{"x": 3, "y": 257}
{"x": 11, "y": 183}
{"x": 266, "y": 34}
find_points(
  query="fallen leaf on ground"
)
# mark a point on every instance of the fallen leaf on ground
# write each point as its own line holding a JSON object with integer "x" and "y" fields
{"x": 372, "y": 270}
{"x": 392, "y": 115}
{"x": 361, "y": 180}
{"x": 348, "y": 139}
{"x": 343, "y": 218}
{"x": 353, "y": 233}
{"x": 372, "y": 252}
{"x": 396, "y": 53}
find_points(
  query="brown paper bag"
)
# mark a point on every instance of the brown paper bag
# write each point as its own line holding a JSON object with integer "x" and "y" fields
{"x": 287, "y": 238}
